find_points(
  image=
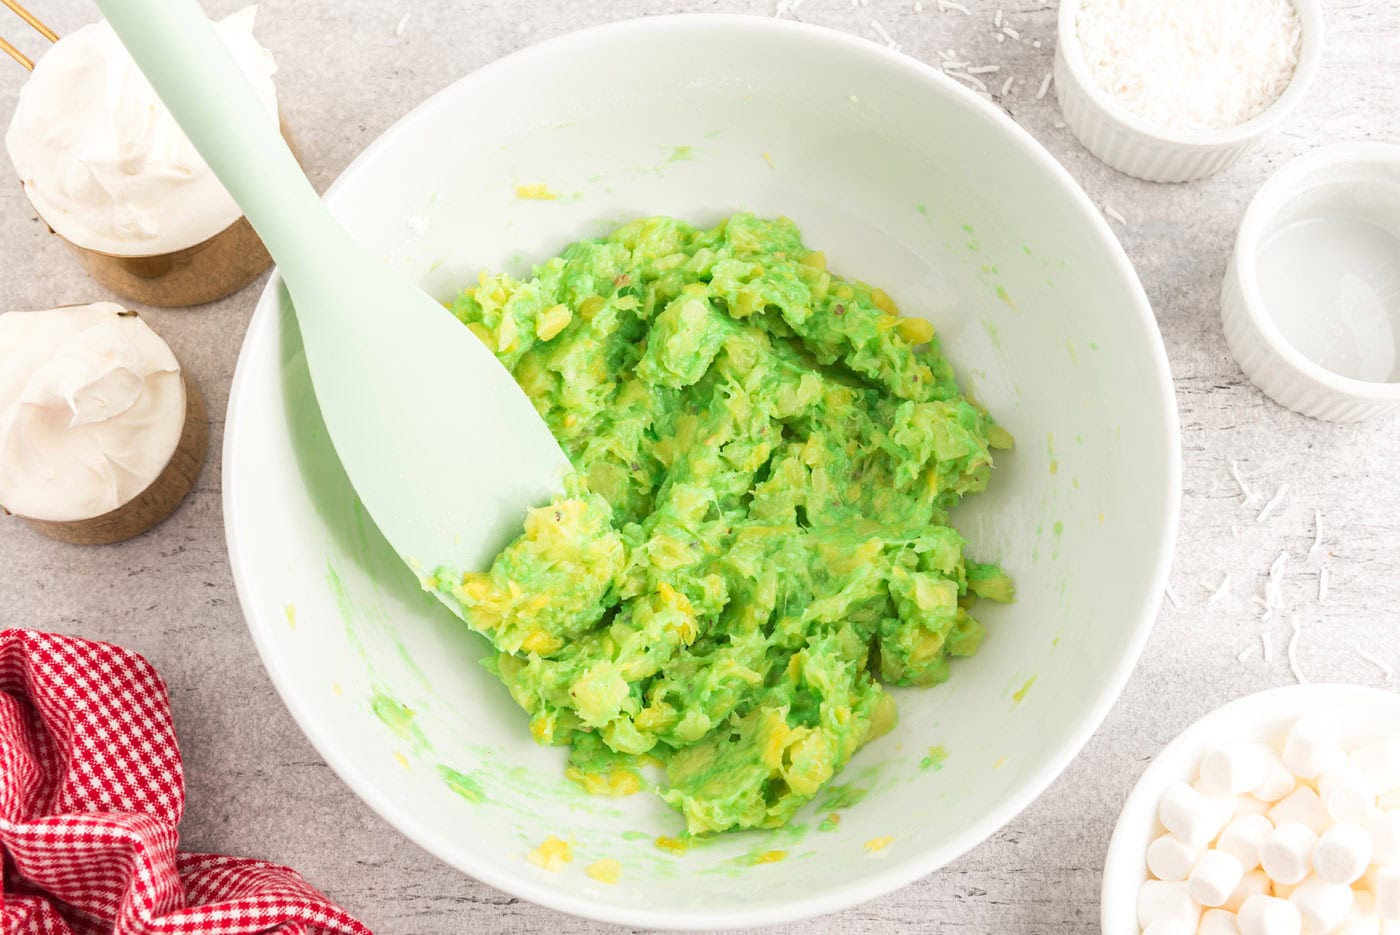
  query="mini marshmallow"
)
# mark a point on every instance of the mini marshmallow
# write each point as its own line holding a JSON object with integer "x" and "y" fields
{"x": 1361, "y": 918}
{"x": 1268, "y": 915}
{"x": 1384, "y": 830}
{"x": 1242, "y": 837}
{"x": 1387, "y": 890}
{"x": 1379, "y": 763}
{"x": 1321, "y": 905}
{"x": 1249, "y": 805}
{"x": 1169, "y": 927}
{"x": 1160, "y": 900}
{"x": 1278, "y": 780}
{"x": 1171, "y": 859}
{"x": 1234, "y": 770}
{"x": 1313, "y": 746}
{"x": 1286, "y": 854}
{"x": 1254, "y": 883}
{"x": 1218, "y": 922}
{"x": 1214, "y": 878}
{"x": 1360, "y": 925}
{"x": 1346, "y": 794}
{"x": 1303, "y": 806}
{"x": 1190, "y": 816}
{"x": 1342, "y": 854}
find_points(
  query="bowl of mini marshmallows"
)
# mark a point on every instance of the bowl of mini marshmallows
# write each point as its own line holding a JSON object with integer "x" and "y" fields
{"x": 1277, "y": 814}
{"x": 1176, "y": 90}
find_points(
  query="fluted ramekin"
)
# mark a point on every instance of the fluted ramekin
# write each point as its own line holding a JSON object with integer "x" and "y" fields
{"x": 1137, "y": 147}
{"x": 1360, "y": 179}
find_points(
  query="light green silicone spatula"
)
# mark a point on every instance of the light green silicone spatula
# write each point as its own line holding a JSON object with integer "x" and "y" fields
{"x": 441, "y": 445}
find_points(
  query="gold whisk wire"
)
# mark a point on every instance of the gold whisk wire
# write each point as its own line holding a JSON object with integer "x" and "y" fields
{"x": 33, "y": 21}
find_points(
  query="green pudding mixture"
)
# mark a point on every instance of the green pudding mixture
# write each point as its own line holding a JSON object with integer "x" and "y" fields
{"x": 756, "y": 539}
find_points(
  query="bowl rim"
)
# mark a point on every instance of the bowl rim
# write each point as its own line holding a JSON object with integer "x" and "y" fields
{"x": 1310, "y": 23}
{"x": 1276, "y": 191}
{"x": 918, "y": 864}
{"x": 1121, "y": 867}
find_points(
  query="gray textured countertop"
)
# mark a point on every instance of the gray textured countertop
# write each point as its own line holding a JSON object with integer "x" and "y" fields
{"x": 256, "y": 787}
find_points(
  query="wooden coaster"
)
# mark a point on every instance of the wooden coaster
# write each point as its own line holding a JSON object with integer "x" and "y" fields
{"x": 158, "y": 500}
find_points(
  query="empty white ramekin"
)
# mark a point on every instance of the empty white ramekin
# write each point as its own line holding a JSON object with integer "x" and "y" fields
{"x": 1329, "y": 349}
{"x": 1132, "y": 145}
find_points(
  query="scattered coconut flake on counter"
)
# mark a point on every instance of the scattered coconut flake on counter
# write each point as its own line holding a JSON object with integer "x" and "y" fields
{"x": 1113, "y": 213}
{"x": 983, "y": 69}
{"x": 1293, "y": 653}
{"x": 918, "y": 6}
{"x": 1035, "y": 43}
{"x": 1267, "y": 642}
{"x": 885, "y": 37}
{"x": 1322, "y": 578}
{"x": 1191, "y": 64}
{"x": 1006, "y": 88}
{"x": 972, "y": 79}
{"x": 1386, "y": 671}
{"x": 403, "y": 24}
{"x": 1269, "y": 507}
{"x": 1001, "y": 37}
{"x": 1245, "y": 489}
{"x": 1010, "y": 33}
{"x": 1221, "y": 590}
{"x": 1171, "y": 596}
{"x": 945, "y": 5}
{"x": 1245, "y": 653}
{"x": 1044, "y": 85}
{"x": 1317, "y": 532}
{"x": 1273, "y": 587}
{"x": 1060, "y": 124}
{"x": 996, "y": 20}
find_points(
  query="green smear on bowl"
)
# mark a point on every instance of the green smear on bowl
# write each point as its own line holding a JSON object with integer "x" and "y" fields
{"x": 462, "y": 784}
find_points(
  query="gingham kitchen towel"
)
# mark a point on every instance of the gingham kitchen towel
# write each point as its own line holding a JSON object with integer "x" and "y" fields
{"x": 91, "y": 791}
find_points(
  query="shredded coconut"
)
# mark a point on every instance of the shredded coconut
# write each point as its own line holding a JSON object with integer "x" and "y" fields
{"x": 1011, "y": 33}
{"x": 1269, "y": 507}
{"x": 983, "y": 69}
{"x": 403, "y": 23}
{"x": 1113, "y": 213}
{"x": 1293, "y": 655}
{"x": 1267, "y": 642}
{"x": 1191, "y": 64}
{"x": 1221, "y": 590}
{"x": 1245, "y": 490}
{"x": 1044, "y": 85}
{"x": 1317, "y": 531}
{"x": 1171, "y": 596}
{"x": 1006, "y": 88}
{"x": 972, "y": 79}
{"x": 1378, "y": 662}
{"x": 945, "y": 5}
{"x": 1273, "y": 588}
{"x": 1249, "y": 650}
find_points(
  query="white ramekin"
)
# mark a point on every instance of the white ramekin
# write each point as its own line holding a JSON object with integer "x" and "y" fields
{"x": 1361, "y": 179}
{"x": 1132, "y": 145}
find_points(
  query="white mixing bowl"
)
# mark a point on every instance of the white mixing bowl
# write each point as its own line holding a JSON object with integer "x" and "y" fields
{"x": 906, "y": 180}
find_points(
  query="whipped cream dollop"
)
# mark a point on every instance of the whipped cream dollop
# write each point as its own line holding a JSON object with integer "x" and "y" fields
{"x": 102, "y": 160}
{"x": 92, "y": 405}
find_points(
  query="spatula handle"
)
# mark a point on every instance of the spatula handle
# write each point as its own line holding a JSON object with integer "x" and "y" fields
{"x": 177, "y": 48}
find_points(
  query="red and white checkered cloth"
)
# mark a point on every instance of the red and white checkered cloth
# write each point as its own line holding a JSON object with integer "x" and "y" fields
{"x": 91, "y": 790}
